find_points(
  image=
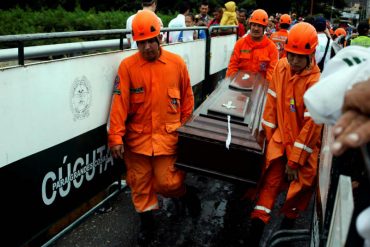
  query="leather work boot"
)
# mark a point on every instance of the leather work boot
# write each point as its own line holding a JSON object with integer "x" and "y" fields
{"x": 255, "y": 232}
{"x": 191, "y": 201}
{"x": 286, "y": 224}
{"x": 146, "y": 228}
{"x": 180, "y": 209}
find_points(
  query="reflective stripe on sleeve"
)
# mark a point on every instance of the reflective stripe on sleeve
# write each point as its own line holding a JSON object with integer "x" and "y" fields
{"x": 272, "y": 93}
{"x": 306, "y": 114}
{"x": 268, "y": 124}
{"x": 151, "y": 207}
{"x": 259, "y": 207}
{"x": 302, "y": 146}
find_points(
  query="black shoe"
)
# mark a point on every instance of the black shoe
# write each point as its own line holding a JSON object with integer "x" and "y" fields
{"x": 180, "y": 207}
{"x": 255, "y": 232}
{"x": 191, "y": 201}
{"x": 147, "y": 227}
{"x": 287, "y": 223}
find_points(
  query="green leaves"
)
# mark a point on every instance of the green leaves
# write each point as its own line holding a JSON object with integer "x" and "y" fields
{"x": 19, "y": 21}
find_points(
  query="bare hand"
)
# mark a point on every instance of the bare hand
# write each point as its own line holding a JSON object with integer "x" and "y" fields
{"x": 117, "y": 151}
{"x": 352, "y": 130}
{"x": 292, "y": 174}
{"x": 357, "y": 98}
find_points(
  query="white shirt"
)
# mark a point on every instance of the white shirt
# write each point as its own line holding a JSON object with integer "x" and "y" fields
{"x": 179, "y": 21}
{"x": 129, "y": 27}
{"x": 320, "y": 49}
{"x": 186, "y": 36}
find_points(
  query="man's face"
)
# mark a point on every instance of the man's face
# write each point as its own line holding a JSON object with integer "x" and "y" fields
{"x": 242, "y": 17}
{"x": 256, "y": 31}
{"x": 217, "y": 15}
{"x": 203, "y": 10}
{"x": 271, "y": 24}
{"x": 189, "y": 21}
{"x": 297, "y": 62}
{"x": 149, "y": 49}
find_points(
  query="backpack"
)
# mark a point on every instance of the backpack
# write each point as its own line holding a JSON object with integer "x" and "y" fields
{"x": 321, "y": 63}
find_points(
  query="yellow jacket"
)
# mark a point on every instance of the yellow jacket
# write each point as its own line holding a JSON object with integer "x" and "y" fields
{"x": 229, "y": 15}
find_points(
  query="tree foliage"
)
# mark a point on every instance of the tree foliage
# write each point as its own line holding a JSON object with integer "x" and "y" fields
{"x": 19, "y": 21}
{"x": 300, "y": 6}
{"x": 57, "y": 14}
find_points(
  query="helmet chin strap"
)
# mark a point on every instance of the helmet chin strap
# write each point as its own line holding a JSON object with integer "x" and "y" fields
{"x": 159, "y": 45}
{"x": 158, "y": 40}
{"x": 309, "y": 61}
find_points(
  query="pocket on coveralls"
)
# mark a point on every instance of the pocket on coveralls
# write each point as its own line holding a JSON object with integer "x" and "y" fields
{"x": 173, "y": 101}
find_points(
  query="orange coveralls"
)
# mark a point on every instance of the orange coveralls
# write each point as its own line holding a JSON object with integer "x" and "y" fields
{"x": 253, "y": 56}
{"x": 151, "y": 100}
{"x": 292, "y": 138}
{"x": 279, "y": 38}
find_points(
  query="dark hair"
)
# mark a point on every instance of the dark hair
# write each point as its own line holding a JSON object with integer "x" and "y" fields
{"x": 310, "y": 19}
{"x": 183, "y": 7}
{"x": 147, "y": 3}
{"x": 204, "y": 3}
{"x": 191, "y": 16}
{"x": 241, "y": 10}
{"x": 218, "y": 9}
{"x": 363, "y": 28}
{"x": 319, "y": 23}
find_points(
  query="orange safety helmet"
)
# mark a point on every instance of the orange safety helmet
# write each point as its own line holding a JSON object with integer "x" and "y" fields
{"x": 259, "y": 16}
{"x": 285, "y": 19}
{"x": 302, "y": 39}
{"x": 145, "y": 25}
{"x": 340, "y": 31}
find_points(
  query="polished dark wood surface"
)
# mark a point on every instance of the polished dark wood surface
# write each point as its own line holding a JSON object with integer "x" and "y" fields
{"x": 202, "y": 140}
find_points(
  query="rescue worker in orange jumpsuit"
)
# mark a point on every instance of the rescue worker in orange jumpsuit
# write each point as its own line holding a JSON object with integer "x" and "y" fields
{"x": 280, "y": 37}
{"x": 293, "y": 137}
{"x": 254, "y": 52}
{"x": 152, "y": 98}
{"x": 341, "y": 32}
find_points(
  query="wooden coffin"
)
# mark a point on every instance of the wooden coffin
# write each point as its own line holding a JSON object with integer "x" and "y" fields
{"x": 202, "y": 140}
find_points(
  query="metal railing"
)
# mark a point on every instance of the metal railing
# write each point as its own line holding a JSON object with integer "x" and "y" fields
{"x": 22, "y": 52}
{"x": 119, "y": 186}
{"x": 20, "y": 39}
{"x": 61, "y": 49}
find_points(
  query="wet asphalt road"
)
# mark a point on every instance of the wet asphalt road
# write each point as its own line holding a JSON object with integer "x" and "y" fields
{"x": 224, "y": 221}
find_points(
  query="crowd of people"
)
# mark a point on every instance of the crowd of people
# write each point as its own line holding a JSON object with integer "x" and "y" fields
{"x": 229, "y": 14}
{"x": 153, "y": 97}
